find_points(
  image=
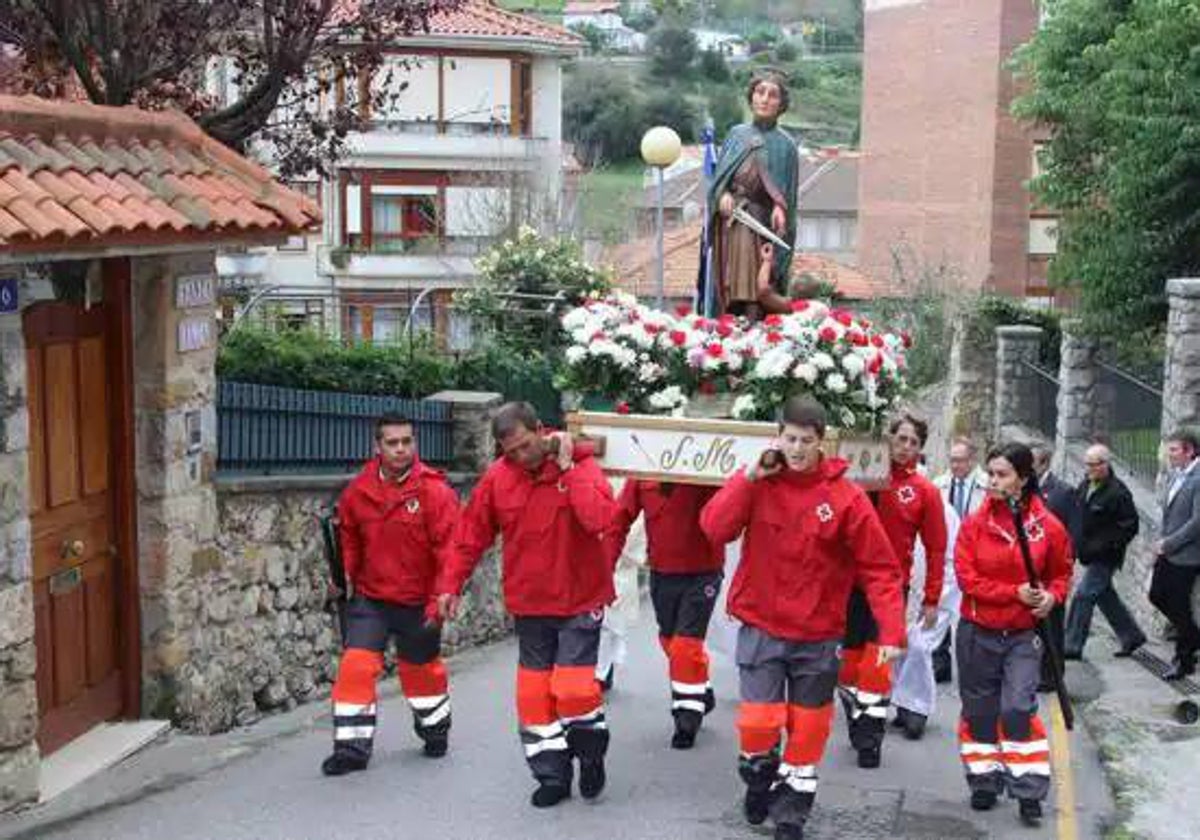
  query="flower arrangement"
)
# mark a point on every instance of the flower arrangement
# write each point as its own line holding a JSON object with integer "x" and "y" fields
{"x": 655, "y": 362}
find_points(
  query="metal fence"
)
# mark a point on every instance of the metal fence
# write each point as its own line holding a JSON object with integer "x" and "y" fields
{"x": 266, "y": 430}
{"x": 1045, "y": 389}
{"x": 1131, "y": 419}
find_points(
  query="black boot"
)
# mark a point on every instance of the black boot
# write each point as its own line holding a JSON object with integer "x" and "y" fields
{"x": 789, "y": 831}
{"x": 687, "y": 724}
{"x": 983, "y": 800}
{"x": 436, "y": 746}
{"x": 547, "y": 796}
{"x": 914, "y": 724}
{"x": 870, "y": 758}
{"x": 1031, "y": 812}
{"x": 591, "y": 777}
{"x": 756, "y": 805}
{"x": 341, "y": 763}
{"x": 758, "y": 772}
{"x": 1184, "y": 666}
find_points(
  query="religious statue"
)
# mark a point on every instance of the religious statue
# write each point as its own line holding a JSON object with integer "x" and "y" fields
{"x": 756, "y": 176}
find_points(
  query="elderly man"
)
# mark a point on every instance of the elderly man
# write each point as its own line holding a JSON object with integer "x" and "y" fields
{"x": 1178, "y": 551}
{"x": 963, "y": 488}
{"x": 1107, "y": 522}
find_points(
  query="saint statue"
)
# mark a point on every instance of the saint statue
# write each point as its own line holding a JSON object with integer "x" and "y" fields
{"x": 756, "y": 173}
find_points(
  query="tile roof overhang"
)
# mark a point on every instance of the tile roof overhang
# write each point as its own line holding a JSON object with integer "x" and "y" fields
{"x": 78, "y": 178}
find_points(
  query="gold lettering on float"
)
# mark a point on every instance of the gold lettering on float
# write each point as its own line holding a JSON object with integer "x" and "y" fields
{"x": 718, "y": 455}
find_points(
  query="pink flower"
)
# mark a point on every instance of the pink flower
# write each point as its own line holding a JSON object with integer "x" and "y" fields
{"x": 715, "y": 349}
{"x": 827, "y": 334}
{"x": 683, "y": 310}
{"x": 773, "y": 320}
{"x": 876, "y": 364}
{"x": 623, "y": 407}
{"x": 724, "y": 328}
{"x": 598, "y": 335}
{"x": 774, "y": 338}
{"x": 799, "y": 305}
{"x": 651, "y": 329}
{"x": 678, "y": 338}
{"x": 876, "y": 341}
{"x": 857, "y": 337}
{"x": 842, "y": 317}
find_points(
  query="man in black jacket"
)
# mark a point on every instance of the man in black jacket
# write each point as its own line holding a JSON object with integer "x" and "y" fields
{"x": 1108, "y": 521}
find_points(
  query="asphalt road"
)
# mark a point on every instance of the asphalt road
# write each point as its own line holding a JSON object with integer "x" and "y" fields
{"x": 274, "y": 791}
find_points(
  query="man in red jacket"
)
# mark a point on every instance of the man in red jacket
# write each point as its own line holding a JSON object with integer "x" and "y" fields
{"x": 910, "y": 507}
{"x": 810, "y": 534}
{"x": 552, "y": 512}
{"x": 397, "y": 520}
{"x": 685, "y": 577}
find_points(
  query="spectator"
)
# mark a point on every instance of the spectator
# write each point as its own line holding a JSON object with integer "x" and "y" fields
{"x": 1178, "y": 551}
{"x": 1107, "y": 522}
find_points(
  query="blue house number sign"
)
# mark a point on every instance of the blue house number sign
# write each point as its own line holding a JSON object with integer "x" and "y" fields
{"x": 8, "y": 294}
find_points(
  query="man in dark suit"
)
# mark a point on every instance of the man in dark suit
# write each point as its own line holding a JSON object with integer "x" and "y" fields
{"x": 1178, "y": 551}
{"x": 1107, "y": 523}
{"x": 1060, "y": 498}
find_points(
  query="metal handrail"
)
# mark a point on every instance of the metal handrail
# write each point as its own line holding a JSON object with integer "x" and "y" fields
{"x": 1045, "y": 374}
{"x": 1129, "y": 377}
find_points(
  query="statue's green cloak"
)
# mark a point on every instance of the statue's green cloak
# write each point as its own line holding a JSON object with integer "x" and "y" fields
{"x": 780, "y": 160}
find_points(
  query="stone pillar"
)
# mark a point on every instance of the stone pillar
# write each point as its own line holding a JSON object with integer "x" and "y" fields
{"x": 972, "y": 379}
{"x": 1016, "y": 388}
{"x": 173, "y": 397}
{"x": 1181, "y": 375}
{"x": 18, "y": 691}
{"x": 472, "y": 414}
{"x": 1084, "y": 404}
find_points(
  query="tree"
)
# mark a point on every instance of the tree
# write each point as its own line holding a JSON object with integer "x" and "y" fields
{"x": 600, "y": 105}
{"x": 669, "y": 106}
{"x": 671, "y": 47}
{"x": 1118, "y": 86}
{"x": 713, "y": 66}
{"x": 284, "y": 57}
{"x": 597, "y": 39}
{"x": 725, "y": 109}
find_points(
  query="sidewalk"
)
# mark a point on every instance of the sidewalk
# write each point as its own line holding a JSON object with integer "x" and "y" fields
{"x": 1152, "y": 762}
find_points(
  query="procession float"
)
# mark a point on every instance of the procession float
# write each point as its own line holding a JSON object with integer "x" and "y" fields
{"x": 687, "y": 398}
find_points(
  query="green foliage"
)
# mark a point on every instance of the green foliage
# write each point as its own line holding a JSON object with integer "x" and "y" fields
{"x": 528, "y": 265}
{"x": 1118, "y": 85}
{"x": 786, "y": 52}
{"x": 599, "y": 106}
{"x": 671, "y": 48}
{"x": 726, "y": 108}
{"x": 713, "y": 67}
{"x": 668, "y": 105}
{"x": 597, "y": 39}
{"x": 928, "y": 317}
{"x": 991, "y": 311}
{"x": 307, "y": 359}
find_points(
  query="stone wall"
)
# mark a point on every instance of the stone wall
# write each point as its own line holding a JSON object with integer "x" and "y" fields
{"x": 18, "y": 692}
{"x": 258, "y": 636}
{"x": 176, "y": 508}
{"x": 971, "y": 402}
{"x": 1181, "y": 384}
{"x": 1017, "y": 347}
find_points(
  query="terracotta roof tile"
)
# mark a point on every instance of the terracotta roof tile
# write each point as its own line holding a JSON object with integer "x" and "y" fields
{"x": 481, "y": 19}
{"x": 73, "y": 174}
{"x": 635, "y": 266}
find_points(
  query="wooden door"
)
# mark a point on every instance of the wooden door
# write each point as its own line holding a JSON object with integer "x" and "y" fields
{"x": 73, "y": 518}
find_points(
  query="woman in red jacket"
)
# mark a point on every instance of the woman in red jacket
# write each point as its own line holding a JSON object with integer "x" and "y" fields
{"x": 1002, "y": 740}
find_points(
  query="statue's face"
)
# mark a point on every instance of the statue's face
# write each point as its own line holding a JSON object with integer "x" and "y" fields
{"x": 766, "y": 100}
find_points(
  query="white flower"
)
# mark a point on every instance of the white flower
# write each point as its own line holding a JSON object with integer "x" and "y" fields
{"x": 650, "y": 372}
{"x": 575, "y": 354}
{"x": 773, "y": 364}
{"x": 854, "y": 364}
{"x": 744, "y": 407}
{"x": 823, "y": 361}
{"x": 668, "y": 399}
{"x": 805, "y": 371}
{"x": 836, "y": 382}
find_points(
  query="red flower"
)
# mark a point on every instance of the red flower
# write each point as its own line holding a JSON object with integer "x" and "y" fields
{"x": 683, "y": 310}
{"x": 724, "y": 329}
{"x": 876, "y": 341}
{"x": 623, "y": 407}
{"x": 842, "y": 317}
{"x": 678, "y": 338}
{"x": 876, "y": 364}
{"x": 857, "y": 337}
{"x": 701, "y": 323}
{"x": 774, "y": 338}
{"x": 773, "y": 320}
{"x": 827, "y": 334}
{"x": 715, "y": 349}
{"x": 707, "y": 387}
{"x": 651, "y": 329}
{"x": 864, "y": 323}
{"x": 906, "y": 339}
{"x": 799, "y": 305}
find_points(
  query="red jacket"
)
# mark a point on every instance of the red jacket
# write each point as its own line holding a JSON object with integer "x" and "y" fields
{"x": 552, "y": 525}
{"x": 396, "y": 537}
{"x": 809, "y": 538}
{"x": 676, "y": 543}
{"x": 987, "y": 560}
{"x": 912, "y": 506}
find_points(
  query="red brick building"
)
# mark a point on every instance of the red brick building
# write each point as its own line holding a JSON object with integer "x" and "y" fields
{"x": 945, "y": 165}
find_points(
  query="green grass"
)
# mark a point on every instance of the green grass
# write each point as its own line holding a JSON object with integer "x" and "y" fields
{"x": 607, "y": 198}
{"x": 554, "y": 7}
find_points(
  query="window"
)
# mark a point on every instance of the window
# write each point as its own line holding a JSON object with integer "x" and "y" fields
{"x": 1043, "y": 236}
{"x": 387, "y": 323}
{"x": 400, "y": 221}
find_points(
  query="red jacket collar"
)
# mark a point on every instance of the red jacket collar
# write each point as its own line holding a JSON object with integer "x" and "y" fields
{"x": 371, "y": 482}
{"x": 827, "y": 470}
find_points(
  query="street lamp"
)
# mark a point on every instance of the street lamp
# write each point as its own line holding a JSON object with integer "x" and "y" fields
{"x": 660, "y": 149}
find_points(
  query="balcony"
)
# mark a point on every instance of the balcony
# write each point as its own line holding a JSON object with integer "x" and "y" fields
{"x": 456, "y": 141}
{"x": 429, "y": 260}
